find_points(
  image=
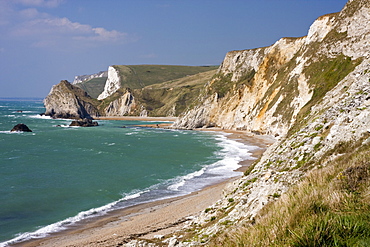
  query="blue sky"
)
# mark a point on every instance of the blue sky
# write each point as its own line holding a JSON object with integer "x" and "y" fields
{"x": 45, "y": 41}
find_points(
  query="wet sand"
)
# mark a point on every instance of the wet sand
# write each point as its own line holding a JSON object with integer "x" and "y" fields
{"x": 149, "y": 219}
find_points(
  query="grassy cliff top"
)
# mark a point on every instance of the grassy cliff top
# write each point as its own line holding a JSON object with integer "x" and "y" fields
{"x": 140, "y": 76}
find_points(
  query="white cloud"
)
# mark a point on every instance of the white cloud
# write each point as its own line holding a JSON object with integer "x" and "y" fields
{"x": 40, "y": 29}
{"x": 51, "y": 31}
{"x": 31, "y": 13}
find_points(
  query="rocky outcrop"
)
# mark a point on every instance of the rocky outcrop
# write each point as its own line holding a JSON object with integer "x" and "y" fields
{"x": 68, "y": 101}
{"x": 264, "y": 90}
{"x": 21, "y": 128}
{"x": 83, "y": 123}
{"x": 82, "y": 78}
{"x": 122, "y": 105}
{"x": 112, "y": 84}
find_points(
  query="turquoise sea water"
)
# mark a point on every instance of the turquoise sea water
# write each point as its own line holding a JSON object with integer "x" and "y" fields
{"x": 57, "y": 175}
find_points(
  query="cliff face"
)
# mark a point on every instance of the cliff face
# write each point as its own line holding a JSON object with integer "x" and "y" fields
{"x": 82, "y": 78}
{"x": 68, "y": 101}
{"x": 131, "y": 90}
{"x": 264, "y": 90}
{"x": 314, "y": 92}
{"x": 112, "y": 84}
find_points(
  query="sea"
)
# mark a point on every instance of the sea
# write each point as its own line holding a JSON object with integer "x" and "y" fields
{"x": 56, "y": 176}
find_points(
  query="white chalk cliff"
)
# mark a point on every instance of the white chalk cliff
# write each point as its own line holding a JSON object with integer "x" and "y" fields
{"x": 82, "y": 78}
{"x": 112, "y": 84}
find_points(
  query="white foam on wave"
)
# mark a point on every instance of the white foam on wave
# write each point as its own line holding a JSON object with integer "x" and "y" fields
{"x": 16, "y": 132}
{"x": 62, "y": 225}
{"x": 133, "y": 195}
{"x": 183, "y": 179}
{"x": 38, "y": 116}
{"x": 231, "y": 153}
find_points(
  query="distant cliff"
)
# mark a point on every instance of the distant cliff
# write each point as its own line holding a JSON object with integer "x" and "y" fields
{"x": 82, "y": 78}
{"x": 135, "y": 90}
{"x": 68, "y": 101}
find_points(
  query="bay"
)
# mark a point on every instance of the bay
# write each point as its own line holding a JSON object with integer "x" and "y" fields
{"x": 57, "y": 175}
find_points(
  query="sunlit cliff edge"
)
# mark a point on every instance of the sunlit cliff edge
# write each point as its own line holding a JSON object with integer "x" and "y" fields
{"x": 311, "y": 187}
{"x": 312, "y": 94}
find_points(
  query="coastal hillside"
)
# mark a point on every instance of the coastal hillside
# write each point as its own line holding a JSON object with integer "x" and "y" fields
{"x": 268, "y": 90}
{"x": 311, "y": 187}
{"x": 135, "y": 90}
{"x": 312, "y": 94}
{"x": 139, "y": 76}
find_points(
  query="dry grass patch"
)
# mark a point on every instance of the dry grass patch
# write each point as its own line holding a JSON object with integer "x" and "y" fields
{"x": 330, "y": 207}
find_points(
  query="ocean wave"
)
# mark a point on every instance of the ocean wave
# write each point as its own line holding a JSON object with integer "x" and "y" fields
{"x": 228, "y": 158}
{"x": 38, "y": 116}
{"x": 64, "y": 224}
{"x": 183, "y": 179}
{"x": 16, "y": 132}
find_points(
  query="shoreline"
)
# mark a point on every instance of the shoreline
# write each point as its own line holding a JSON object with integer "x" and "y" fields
{"x": 147, "y": 220}
{"x": 133, "y": 118}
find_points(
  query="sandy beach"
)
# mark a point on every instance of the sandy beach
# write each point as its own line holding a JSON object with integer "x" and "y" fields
{"x": 147, "y": 220}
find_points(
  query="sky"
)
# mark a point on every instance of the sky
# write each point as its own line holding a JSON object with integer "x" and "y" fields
{"x": 45, "y": 41}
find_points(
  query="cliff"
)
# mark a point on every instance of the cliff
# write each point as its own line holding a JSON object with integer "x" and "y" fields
{"x": 265, "y": 90}
{"x": 311, "y": 187}
{"x": 68, "y": 101}
{"x": 135, "y": 90}
{"x": 112, "y": 84}
{"x": 83, "y": 78}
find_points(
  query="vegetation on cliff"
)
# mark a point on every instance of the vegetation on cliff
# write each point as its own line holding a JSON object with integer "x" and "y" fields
{"x": 310, "y": 188}
{"x": 329, "y": 207}
{"x": 159, "y": 90}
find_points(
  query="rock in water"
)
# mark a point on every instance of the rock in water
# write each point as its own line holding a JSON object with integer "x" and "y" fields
{"x": 21, "y": 128}
{"x": 84, "y": 123}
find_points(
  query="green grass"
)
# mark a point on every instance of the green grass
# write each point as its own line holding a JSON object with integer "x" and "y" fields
{"x": 139, "y": 76}
{"x": 323, "y": 76}
{"x": 93, "y": 87}
{"x": 161, "y": 89}
{"x": 330, "y": 207}
{"x": 177, "y": 95}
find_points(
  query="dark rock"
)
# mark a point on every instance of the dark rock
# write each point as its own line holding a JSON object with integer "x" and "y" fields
{"x": 84, "y": 123}
{"x": 21, "y": 128}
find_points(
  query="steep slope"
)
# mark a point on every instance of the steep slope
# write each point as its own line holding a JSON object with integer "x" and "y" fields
{"x": 92, "y": 87}
{"x": 68, "y": 101}
{"x": 163, "y": 99}
{"x": 314, "y": 93}
{"x": 139, "y": 76}
{"x": 264, "y": 90}
{"x": 169, "y": 98}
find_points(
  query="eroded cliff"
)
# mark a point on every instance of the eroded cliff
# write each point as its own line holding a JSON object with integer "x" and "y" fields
{"x": 136, "y": 90}
{"x": 68, "y": 101}
{"x": 313, "y": 93}
{"x": 265, "y": 90}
